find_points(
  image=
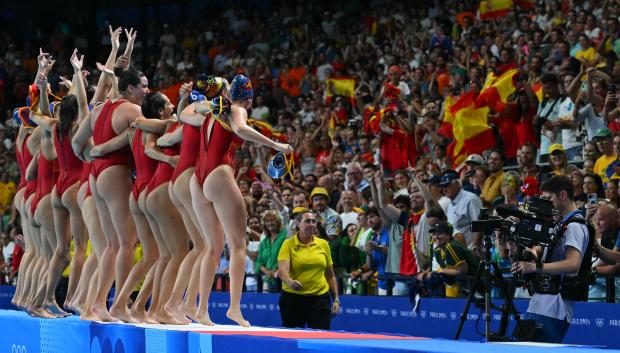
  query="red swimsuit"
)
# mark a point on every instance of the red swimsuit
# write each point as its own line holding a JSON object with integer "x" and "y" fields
{"x": 215, "y": 150}
{"x": 47, "y": 174}
{"x": 70, "y": 166}
{"x": 164, "y": 171}
{"x": 31, "y": 186}
{"x": 86, "y": 166}
{"x": 145, "y": 166}
{"x": 103, "y": 132}
{"x": 188, "y": 155}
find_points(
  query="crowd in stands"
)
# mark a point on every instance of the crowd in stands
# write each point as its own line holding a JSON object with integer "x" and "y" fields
{"x": 363, "y": 91}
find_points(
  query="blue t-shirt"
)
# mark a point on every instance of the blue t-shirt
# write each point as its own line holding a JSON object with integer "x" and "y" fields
{"x": 379, "y": 258}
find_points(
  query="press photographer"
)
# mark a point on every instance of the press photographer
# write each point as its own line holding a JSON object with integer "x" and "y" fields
{"x": 562, "y": 269}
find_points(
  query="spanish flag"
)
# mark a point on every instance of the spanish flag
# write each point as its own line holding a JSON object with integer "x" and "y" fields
{"x": 267, "y": 130}
{"x": 471, "y": 131}
{"x": 538, "y": 91}
{"x": 491, "y": 9}
{"x": 497, "y": 91}
{"x": 448, "y": 118}
{"x": 342, "y": 86}
{"x": 372, "y": 117}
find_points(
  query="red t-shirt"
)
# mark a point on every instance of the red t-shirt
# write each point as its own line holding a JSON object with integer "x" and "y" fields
{"x": 394, "y": 150}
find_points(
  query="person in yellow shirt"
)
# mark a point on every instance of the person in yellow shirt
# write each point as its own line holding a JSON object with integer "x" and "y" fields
{"x": 491, "y": 187}
{"x": 7, "y": 192}
{"x": 603, "y": 140}
{"x": 587, "y": 52}
{"x": 307, "y": 274}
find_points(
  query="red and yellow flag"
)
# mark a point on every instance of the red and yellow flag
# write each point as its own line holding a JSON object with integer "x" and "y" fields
{"x": 538, "y": 91}
{"x": 497, "y": 90}
{"x": 342, "y": 86}
{"x": 448, "y": 118}
{"x": 267, "y": 130}
{"x": 525, "y": 4}
{"x": 491, "y": 9}
{"x": 471, "y": 131}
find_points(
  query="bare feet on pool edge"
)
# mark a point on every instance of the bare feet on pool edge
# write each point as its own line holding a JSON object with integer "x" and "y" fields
{"x": 102, "y": 313}
{"x": 203, "y": 318}
{"x": 55, "y": 309}
{"x": 123, "y": 314}
{"x": 177, "y": 314}
{"x": 164, "y": 317}
{"x": 237, "y": 317}
{"x": 40, "y": 312}
{"x": 73, "y": 307}
{"x": 142, "y": 316}
{"x": 189, "y": 311}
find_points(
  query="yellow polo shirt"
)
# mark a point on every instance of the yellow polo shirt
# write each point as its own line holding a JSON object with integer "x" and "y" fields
{"x": 308, "y": 264}
{"x": 601, "y": 164}
{"x": 491, "y": 187}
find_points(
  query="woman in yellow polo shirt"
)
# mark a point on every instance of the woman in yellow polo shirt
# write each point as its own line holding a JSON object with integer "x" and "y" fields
{"x": 305, "y": 268}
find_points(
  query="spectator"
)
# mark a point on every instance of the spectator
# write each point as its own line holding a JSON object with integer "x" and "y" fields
{"x": 608, "y": 227}
{"x": 491, "y": 187}
{"x": 8, "y": 246}
{"x": 329, "y": 219}
{"x": 464, "y": 208}
{"x": 548, "y": 115}
{"x": 377, "y": 249}
{"x": 267, "y": 260}
{"x": 603, "y": 139}
{"x": 453, "y": 258}
{"x": 7, "y": 191}
{"x": 355, "y": 180}
{"x": 305, "y": 267}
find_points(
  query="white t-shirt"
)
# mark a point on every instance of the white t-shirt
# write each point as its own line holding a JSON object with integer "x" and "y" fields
{"x": 348, "y": 218}
{"x": 549, "y": 110}
{"x": 7, "y": 251}
{"x": 250, "y": 281}
{"x": 565, "y": 113}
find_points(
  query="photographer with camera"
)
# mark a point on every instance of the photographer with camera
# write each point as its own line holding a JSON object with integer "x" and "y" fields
{"x": 562, "y": 270}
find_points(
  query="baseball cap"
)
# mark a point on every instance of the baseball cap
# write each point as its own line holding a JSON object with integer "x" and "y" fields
{"x": 319, "y": 191}
{"x": 602, "y": 133}
{"x": 298, "y": 210}
{"x": 434, "y": 180}
{"x": 447, "y": 177}
{"x": 555, "y": 148}
{"x": 475, "y": 158}
{"x": 441, "y": 228}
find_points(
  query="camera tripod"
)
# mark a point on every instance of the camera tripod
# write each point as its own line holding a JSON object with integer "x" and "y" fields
{"x": 485, "y": 277}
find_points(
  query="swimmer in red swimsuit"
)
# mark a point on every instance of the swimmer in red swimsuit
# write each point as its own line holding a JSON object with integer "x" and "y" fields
{"x": 61, "y": 124}
{"x": 111, "y": 185}
{"x": 214, "y": 188}
{"x": 23, "y": 192}
{"x": 188, "y": 277}
{"x": 105, "y": 87}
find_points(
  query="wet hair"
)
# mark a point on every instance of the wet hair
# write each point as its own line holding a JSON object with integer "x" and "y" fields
{"x": 68, "y": 114}
{"x": 151, "y": 105}
{"x": 128, "y": 77}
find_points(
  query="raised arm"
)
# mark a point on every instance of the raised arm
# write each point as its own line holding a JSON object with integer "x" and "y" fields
{"x": 104, "y": 82}
{"x": 184, "y": 92}
{"x": 131, "y": 38}
{"x": 239, "y": 124}
{"x": 390, "y": 211}
{"x": 78, "y": 87}
{"x": 82, "y": 135}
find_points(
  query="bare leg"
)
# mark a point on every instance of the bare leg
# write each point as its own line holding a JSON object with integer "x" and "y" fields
{"x": 173, "y": 306}
{"x": 61, "y": 256}
{"x": 80, "y": 239}
{"x": 150, "y": 253}
{"x": 114, "y": 187}
{"x": 98, "y": 310}
{"x": 214, "y": 245}
{"x": 221, "y": 188}
{"x": 171, "y": 226}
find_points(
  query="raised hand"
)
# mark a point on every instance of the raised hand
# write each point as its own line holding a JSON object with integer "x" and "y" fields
{"x": 77, "y": 62}
{"x": 104, "y": 69}
{"x": 42, "y": 59}
{"x": 122, "y": 62}
{"x": 115, "y": 37}
{"x": 285, "y": 148}
{"x": 131, "y": 36}
{"x": 186, "y": 89}
{"x": 65, "y": 82}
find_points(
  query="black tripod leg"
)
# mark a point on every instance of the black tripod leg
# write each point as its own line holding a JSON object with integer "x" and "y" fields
{"x": 508, "y": 301}
{"x": 470, "y": 297}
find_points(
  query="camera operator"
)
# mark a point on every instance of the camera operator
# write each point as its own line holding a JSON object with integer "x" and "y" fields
{"x": 552, "y": 303}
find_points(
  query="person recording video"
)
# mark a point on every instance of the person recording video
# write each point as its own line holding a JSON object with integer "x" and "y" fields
{"x": 562, "y": 270}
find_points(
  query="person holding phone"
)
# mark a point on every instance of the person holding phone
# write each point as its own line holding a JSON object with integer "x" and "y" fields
{"x": 306, "y": 270}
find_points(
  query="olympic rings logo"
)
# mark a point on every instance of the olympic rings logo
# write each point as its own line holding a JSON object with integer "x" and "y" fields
{"x": 18, "y": 348}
